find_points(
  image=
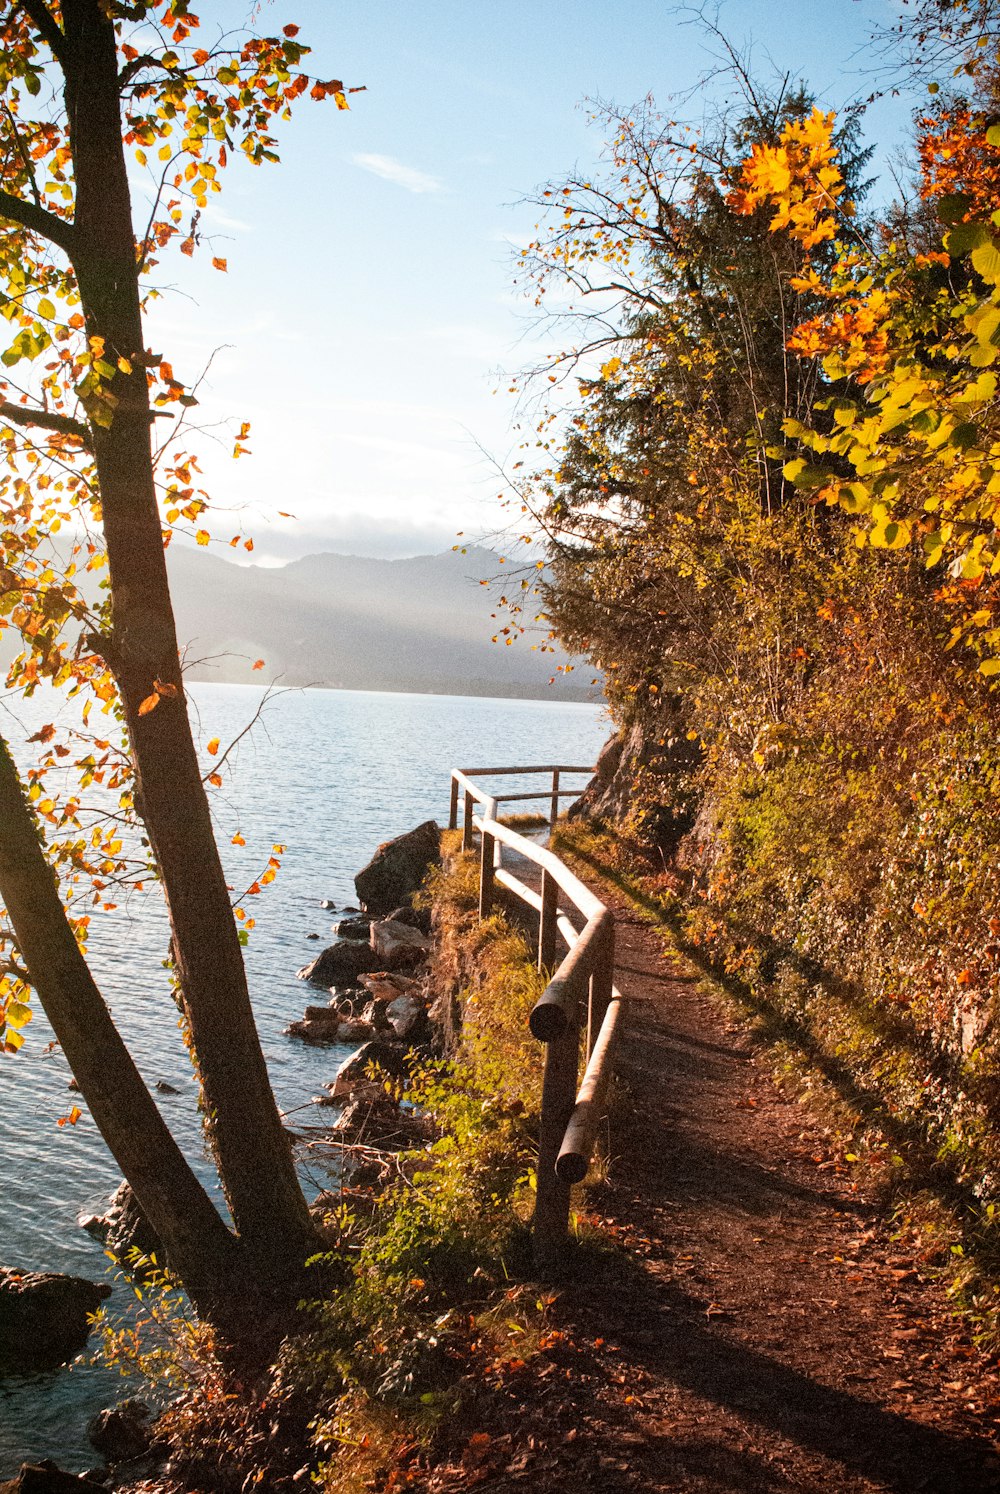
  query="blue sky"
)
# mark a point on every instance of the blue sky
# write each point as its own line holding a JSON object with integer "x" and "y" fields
{"x": 369, "y": 302}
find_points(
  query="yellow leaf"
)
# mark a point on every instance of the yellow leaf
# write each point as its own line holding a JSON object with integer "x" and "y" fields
{"x": 203, "y": 536}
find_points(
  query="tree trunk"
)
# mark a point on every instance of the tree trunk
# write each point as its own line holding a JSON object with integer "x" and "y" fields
{"x": 198, "y": 1245}
{"x": 251, "y": 1148}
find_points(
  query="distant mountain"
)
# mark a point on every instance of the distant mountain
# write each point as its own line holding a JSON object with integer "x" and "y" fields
{"x": 348, "y": 622}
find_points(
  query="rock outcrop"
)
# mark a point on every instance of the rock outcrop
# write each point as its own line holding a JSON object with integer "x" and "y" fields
{"x": 44, "y": 1317}
{"x": 122, "y": 1432}
{"x": 398, "y": 868}
{"x": 340, "y": 964}
{"x": 124, "y": 1228}
{"x": 644, "y": 775}
{"x": 398, "y": 946}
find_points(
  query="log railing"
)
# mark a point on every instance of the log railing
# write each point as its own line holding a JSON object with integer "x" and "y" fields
{"x": 579, "y": 1000}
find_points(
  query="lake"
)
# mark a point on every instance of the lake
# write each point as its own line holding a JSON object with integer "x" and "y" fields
{"x": 329, "y": 774}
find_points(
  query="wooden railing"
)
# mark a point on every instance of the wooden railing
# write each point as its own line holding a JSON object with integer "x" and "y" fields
{"x": 580, "y": 998}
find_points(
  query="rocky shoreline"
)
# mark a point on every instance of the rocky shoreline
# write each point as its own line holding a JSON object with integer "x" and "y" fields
{"x": 379, "y": 999}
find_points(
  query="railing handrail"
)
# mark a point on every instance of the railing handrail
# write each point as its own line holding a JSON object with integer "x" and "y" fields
{"x": 570, "y": 1114}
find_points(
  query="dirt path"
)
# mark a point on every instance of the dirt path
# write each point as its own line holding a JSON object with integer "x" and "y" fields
{"x": 768, "y": 1334}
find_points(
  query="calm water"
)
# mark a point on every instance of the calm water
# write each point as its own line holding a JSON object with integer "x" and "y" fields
{"x": 330, "y": 774}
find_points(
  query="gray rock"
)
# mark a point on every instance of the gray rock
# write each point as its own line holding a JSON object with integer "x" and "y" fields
{"x": 340, "y": 964}
{"x": 408, "y": 1018}
{"x": 122, "y": 1432}
{"x": 126, "y": 1229}
{"x": 329, "y": 905}
{"x": 318, "y": 1025}
{"x": 352, "y": 928}
{"x": 398, "y": 946}
{"x": 398, "y": 868}
{"x": 163, "y": 1088}
{"x": 43, "y": 1318}
{"x": 312, "y": 936}
{"x": 351, "y": 1074}
{"x": 417, "y": 918}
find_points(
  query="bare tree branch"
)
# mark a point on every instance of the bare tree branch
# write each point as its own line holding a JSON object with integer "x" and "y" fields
{"x": 49, "y": 421}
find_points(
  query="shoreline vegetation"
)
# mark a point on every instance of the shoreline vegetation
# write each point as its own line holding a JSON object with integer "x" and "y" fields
{"x": 419, "y": 1307}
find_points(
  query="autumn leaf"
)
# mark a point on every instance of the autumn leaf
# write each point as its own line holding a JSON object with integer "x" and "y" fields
{"x": 203, "y": 536}
{"x": 220, "y": 264}
{"x": 215, "y": 779}
{"x": 149, "y": 704}
{"x": 213, "y": 746}
{"x": 258, "y": 664}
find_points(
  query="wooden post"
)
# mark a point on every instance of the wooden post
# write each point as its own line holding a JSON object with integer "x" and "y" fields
{"x": 551, "y": 1221}
{"x": 467, "y": 826}
{"x": 453, "y": 809}
{"x": 554, "y": 812}
{"x": 547, "y": 923}
{"x": 486, "y": 876}
{"x": 601, "y": 980}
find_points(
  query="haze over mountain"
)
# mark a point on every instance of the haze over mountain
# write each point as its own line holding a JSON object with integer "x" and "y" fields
{"x": 356, "y": 623}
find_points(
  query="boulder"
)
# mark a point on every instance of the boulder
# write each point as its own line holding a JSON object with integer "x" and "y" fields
{"x": 124, "y": 1227}
{"x": 386, "y": 985}
{"x": 397, "y": 945}
{"x": 351, "y": 1075}
{"x": 122, "y": 1432}
{"x": 340, "y": 964}
{"x": 352, "y": 928}
{"x": 43, "y": 1318}
{"x": 46, "y": 1478}
{"x": 417, "y": 918}
{"x": 318, "y": 1025}
{"x": 398, "y": 868}
{"x": 407, "y": 1017}
{"x": 163, "y": 1088}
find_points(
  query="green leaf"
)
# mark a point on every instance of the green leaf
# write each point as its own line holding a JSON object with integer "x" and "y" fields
{"x": 986, "y": 261}
{"x": 953, "y": 208}
{"x": 966, "y": 236}
{"x": 964, "y": 436}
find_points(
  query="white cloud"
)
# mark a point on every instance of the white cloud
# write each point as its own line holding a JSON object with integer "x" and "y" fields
{"x": 403, "y": 176}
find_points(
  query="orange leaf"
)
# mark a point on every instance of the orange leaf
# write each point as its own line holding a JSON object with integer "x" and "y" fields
{"x": 149, "y": 704}
{"x": 290, "y": 30}
{"x": 170, "y": 691}
{"x": 248, "y": 544}
{"x": 220, "y": 264}
{"x": 964, "y": 977}
{"x": 258, "y": 664}
{"x": 215, "y": 779}
{"x": 238, "y": 839}
{"x": 213, "y": 746}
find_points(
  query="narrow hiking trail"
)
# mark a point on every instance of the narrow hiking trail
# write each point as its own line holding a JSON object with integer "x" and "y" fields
{"x": 765, "y": 1333}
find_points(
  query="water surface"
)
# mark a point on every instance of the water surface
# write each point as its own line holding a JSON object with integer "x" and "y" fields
{"x": 329, "y": 775}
